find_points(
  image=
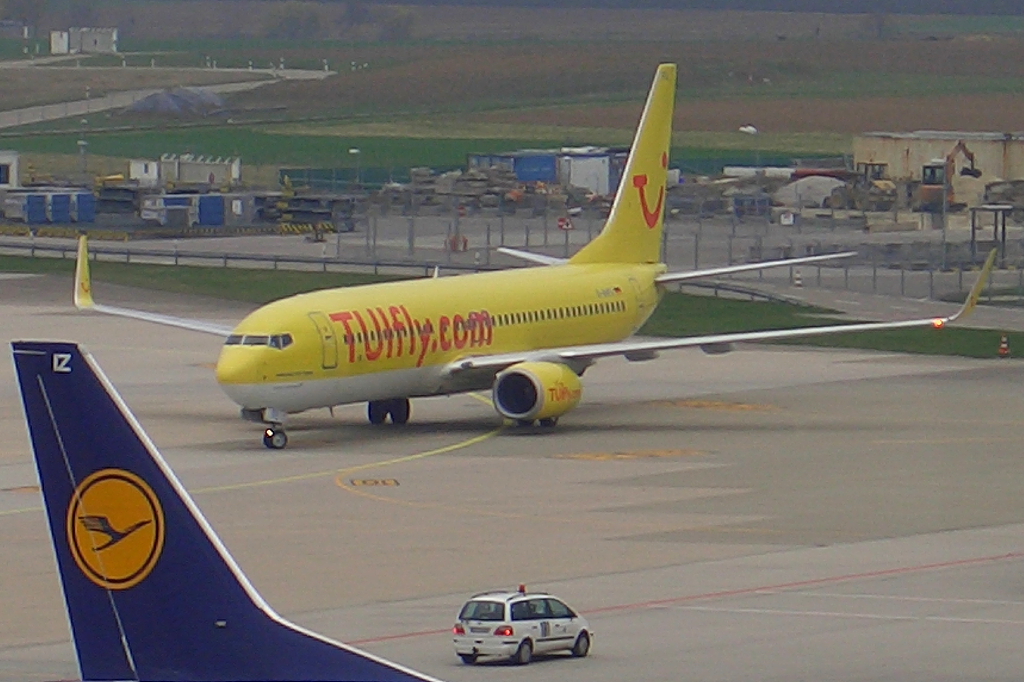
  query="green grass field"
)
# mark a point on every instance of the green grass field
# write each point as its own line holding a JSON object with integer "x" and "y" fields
{"x": 265, "y": 145}
{"x": 258, "y": 147}
{"x": 678, "y": 314}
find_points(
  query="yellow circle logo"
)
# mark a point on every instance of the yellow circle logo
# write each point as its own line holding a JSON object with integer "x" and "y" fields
{"x": 115, "y": 528}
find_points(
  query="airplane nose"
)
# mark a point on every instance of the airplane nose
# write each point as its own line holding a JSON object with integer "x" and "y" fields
{"x": 237, "y": 366}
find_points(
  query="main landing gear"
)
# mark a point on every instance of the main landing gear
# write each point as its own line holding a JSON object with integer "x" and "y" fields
{"x": 377, "y": 411}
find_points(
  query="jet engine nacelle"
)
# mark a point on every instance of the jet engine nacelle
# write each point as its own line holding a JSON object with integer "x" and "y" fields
{"x": 536, "y": 390}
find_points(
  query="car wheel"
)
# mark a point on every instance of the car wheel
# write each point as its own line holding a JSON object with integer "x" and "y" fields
{"x": 468, "y": 659}
{"x": 581, "y": 647}
{"x": 524, "y": 654}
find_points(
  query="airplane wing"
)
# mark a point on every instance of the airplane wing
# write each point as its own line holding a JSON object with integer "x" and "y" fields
{"x": 532, "y": 257}
{"x": 644, "y": 350}
{"x": 83, "y": 301}
{"x": 747, "y": 267}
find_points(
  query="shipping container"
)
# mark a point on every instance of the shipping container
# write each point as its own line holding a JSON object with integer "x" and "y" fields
{"x": 536, "y": 167}
{"x": 60, "y": 208}
{"x": 85, "y": 207}
{"x": 35, "y": 209}
{"x": 211, "y": 209}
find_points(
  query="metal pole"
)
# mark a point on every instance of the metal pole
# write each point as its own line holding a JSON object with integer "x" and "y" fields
{"x": 448, "y": 244}
{"x": 373, "y": 226}
{"x": 488, "y": 252}
{"x": 566, "y": 243}
{"x": 945, "y": 183}
{"x": 411, "y": 236}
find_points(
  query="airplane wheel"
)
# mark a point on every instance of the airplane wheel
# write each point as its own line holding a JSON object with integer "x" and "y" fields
{"x": 377, "y": 411}
{"x": 400, "y": 410}
{"x": 549, "y": 423}
{"x": 275, "y": 439}
{"x": 524, "y": 422}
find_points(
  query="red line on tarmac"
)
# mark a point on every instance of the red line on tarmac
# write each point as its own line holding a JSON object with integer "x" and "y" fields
{"x": 750, "y": 590}
{"x": 810, "y": 583}
{"x": 406, "y": 635}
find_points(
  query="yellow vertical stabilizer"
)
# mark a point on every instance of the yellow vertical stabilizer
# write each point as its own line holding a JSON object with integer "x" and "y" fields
{"x": 633, "y": 231}
{"x": 83, "y": 287}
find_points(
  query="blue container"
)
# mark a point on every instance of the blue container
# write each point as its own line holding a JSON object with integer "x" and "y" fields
{"x": 211, "y": 209}
{"x": 86, "y": 207}
{"x": 60, "y": 208}
{"x": 35, "y": 208}
{"x": 537, "y": 168}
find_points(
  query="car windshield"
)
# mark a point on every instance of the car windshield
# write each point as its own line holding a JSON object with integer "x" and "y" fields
{"x": 482, "y": 610}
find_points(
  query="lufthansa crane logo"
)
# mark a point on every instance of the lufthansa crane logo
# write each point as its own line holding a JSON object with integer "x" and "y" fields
{"x": 640, "y": 182}
{"x": 115, "y": 528}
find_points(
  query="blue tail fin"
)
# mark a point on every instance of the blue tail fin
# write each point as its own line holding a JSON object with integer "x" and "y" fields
{"x": 152, "y": 594}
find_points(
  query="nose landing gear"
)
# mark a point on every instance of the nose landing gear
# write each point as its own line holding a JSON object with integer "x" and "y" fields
{"x": 275, "y": 438}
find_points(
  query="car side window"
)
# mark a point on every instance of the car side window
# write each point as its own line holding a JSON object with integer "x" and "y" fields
{"x": 521, "y": 611}
{"x": 482, "y": 610}
{"x": 559, "y": 610}
{"x": 538, "y": 609}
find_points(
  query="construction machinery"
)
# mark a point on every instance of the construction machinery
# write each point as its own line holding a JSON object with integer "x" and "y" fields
{"x": 937, "y": 181}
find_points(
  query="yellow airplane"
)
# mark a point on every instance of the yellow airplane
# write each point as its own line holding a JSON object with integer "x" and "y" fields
{"x": 526, "y": 334}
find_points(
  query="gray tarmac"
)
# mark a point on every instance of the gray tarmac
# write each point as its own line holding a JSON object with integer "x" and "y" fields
{"x": 771, "y": 514}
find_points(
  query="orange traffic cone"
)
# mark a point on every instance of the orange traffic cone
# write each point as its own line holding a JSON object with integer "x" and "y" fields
{"x": 1004, "y": 347}
{"x": 797, "y": 281}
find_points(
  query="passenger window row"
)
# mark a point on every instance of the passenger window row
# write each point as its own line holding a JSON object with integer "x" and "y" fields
{"x": 603, "y": 308}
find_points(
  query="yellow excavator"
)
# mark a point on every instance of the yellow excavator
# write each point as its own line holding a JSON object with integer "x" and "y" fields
{"x": 937, "y": 179}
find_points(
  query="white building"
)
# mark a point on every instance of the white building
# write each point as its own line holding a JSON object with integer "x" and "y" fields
{"x": 93, "y": 40}
{"x": 903, "y": 157}
{"x": 9, "y": 170}
{"x": 60, "y": 42}
{"x": 186, "y": 169}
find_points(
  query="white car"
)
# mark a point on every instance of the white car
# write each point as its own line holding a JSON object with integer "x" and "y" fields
{"x": 517, "y": 626}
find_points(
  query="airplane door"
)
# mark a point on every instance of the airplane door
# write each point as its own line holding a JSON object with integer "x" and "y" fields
{"x": 642, "y": 307}
{"x": 328, "y": 339}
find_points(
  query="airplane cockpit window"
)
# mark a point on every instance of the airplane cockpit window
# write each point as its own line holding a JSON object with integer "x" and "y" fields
{"x": 280, "y": 341}
{"x": 233, "y": 340}
{"x": 251, "y": 340}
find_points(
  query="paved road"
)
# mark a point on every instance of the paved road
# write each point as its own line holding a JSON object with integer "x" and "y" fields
{"x": 118, "y": 100}
{"x": 771, "y": 514}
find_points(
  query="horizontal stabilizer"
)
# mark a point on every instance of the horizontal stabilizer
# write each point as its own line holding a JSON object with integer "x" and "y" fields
{"x": 532, "y": 257}
{"x": 151, "y": 592}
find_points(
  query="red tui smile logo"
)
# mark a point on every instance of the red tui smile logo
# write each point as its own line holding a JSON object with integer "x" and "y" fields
{"x": 640, "y": 182}
{"x": 650, "y": 217}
